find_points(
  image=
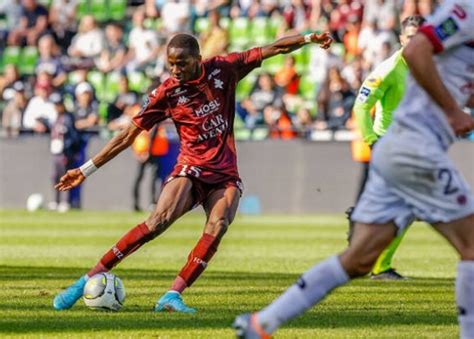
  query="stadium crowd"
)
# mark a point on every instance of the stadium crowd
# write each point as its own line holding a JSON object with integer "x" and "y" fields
{"x": 98, "y": 58}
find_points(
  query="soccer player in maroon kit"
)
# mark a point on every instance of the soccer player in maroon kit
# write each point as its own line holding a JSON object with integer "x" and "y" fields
{"x": 200, "y": 99}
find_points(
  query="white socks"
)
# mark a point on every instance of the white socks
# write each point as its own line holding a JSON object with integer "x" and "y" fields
{"x": 310, "y": 289}
{"x": 465, "y": 298}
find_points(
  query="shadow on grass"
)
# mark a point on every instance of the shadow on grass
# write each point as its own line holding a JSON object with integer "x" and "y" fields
{"x": 246, "y": 291}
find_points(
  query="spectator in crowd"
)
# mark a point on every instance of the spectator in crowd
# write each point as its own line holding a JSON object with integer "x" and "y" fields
{"x": 383, "y": 12}
{"x": 143, "y": 44}
{"x": 147, "y": 148}
{"x": 215, "y": 40}
{"x": 11, "y": 9}
{"x": 86, "y": 108}
{"x": 346, "y": 11}
{"x": 8, "y": 79}
{"x": 176, "y": 16}
{"x": 286, "y": 77}
{"x": 64, "y": 146}
{"x": 50, "y": 62}
{"x": 295, "y": 16}
{"x": 265, "y": 95}
{"x": 113, "y": 55}
{"x": 335, "y": 101}
{"x": 88, "y": 43}
{"x": 86, "y": 119}
{"x": 33, "y": 23}
{"x": 303, "y": 122}
{"x": 40, "y": 113}
{"x": 124, "y": 101}
{"x": 63, "y": 21}
{"x": 13, "y": 111}
{"x": 279, "y": 123}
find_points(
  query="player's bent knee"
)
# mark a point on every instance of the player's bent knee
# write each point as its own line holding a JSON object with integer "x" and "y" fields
{"x": 159, "y": 221}
{"x": 217, "y": 227}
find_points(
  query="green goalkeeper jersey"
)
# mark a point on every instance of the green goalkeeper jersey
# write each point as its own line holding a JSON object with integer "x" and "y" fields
{"x": 384, "y": 89}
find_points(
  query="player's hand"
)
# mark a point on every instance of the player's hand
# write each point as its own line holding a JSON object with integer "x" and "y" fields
{"x": 71, "y": 179}
{"x": 324, "y": 40}
{"x": 461, "y": 122}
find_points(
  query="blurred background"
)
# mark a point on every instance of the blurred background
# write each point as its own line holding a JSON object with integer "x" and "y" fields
{"x": 74, "y": 72}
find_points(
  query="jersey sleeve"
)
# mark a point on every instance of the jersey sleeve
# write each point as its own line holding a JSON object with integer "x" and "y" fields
{"x": 451, "y": 25}
{"x": 154, "y": 110}
{"x": 243, "y": 63}
{"x": 371, "y": 91}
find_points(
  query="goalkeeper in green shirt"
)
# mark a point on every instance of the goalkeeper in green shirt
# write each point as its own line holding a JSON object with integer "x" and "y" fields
{"x": 384, "y": 88}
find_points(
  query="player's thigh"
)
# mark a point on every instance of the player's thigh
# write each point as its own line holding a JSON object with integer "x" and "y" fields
{"x": 368, "y": 241}
{"x": 460, "y": 234}
{"x": 419, "y": 172}
{"x": 176, "y": 199}
{"x": 221, "y": 207}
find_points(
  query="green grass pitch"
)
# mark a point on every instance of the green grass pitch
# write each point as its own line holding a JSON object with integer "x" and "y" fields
{"x": 41, "y": 253}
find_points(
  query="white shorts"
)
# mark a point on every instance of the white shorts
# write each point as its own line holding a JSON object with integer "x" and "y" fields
{"x": 412, "y": 177}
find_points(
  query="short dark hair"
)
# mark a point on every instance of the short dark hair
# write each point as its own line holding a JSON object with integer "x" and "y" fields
{"x": 183, "y": 40}
{"x": 412, "y": 20}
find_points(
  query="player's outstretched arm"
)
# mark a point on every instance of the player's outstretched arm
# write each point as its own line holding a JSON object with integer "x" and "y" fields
{"x": 121, "y": 141}
{"x": 419, "y": 56}
{"x": 291, "y": 43}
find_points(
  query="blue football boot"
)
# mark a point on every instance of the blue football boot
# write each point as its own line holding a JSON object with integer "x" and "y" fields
{"x": 67, "y": 298}
{"x": 171, "y": 301}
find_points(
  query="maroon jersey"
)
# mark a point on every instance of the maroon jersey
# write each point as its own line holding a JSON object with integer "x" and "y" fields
{"x": 203, "y": 111}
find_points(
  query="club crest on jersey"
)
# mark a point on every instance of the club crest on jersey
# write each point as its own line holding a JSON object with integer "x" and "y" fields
{"x": 213, "y": 73}
{"x": 182, "y": 100}
{"x": 447, "y": 28}
{"x": 218, "y": 84}
{"x": 178, "y": 91}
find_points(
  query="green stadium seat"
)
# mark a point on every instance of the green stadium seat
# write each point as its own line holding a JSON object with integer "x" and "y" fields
{"x": 139, "y": 82}
{"x": 307, "y": 88}
{"x": 28, "y": 60}
{"x": 97, "y": 80}
{"x": 260, "y": 133}
{"x": 260, "y": 31}
{"x": 45, "y": 3}
{"x": 201, "y": 25}
{"x": 245, "y": 86}
{"x": 111, "y": 86}
{"x": 117, "y": 9}
{"x": 273, "y": 64}
{"x": 239, "y": 32}
{"x": 99, "y": 9}
{"x": 302, "y": 60}
{"x": 11, "y": 55}
{"x": 274, "y": 25}
{"x": 242, "y": 134}
{"x": 83, "y": 9}
{"x": 224, "y": 22}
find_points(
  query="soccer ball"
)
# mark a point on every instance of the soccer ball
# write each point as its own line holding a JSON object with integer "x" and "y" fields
{"x": 104, "y": 291}
{"x": 34, "y": 202}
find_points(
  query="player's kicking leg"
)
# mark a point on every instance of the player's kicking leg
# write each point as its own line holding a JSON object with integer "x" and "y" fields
{"x": 175, "y": 200}
{"x": 460, "y": 234}
{"x": 220, "y": 207}
{"x": 367, "y": 243}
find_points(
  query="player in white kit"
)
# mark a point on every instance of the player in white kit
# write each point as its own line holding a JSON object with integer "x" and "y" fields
{"x": 410, "y": 174}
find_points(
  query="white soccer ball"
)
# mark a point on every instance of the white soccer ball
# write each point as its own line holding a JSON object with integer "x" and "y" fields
{"x": 34, "y": 202}
{"x": 104, "y": 291}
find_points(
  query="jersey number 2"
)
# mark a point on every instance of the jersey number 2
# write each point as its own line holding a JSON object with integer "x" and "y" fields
{"x": 446, "y": 175}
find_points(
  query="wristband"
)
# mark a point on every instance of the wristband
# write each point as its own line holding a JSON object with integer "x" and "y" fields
{"x": 88, "y": 168}
{"x": 307, "y": 38}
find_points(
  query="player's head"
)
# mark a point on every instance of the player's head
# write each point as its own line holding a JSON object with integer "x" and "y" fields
{"x": 409, "y": 28}
{"x": 184, "y": 58}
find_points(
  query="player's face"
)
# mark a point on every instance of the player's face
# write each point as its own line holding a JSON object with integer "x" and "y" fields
{"x": 409, "y": 33}
{"x": 183, "y": 65}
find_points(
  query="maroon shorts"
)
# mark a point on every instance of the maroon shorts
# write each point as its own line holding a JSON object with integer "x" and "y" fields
{"x": 204, "y": 182}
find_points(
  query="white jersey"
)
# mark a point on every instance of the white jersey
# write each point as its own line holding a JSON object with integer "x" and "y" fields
{"x": 451, "y": 31}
